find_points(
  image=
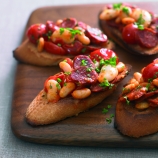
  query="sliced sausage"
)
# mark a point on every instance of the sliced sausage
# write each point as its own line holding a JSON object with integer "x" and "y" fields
{"x": 82, "y": 75}
{"x": 82, "y": 25}
{"x": 146, "y": 38}
{"x": 82, "y": 60}
{"x": 95, "y": 35}
{"x": 69, "y": 23}
{"x": 73, "y": 49}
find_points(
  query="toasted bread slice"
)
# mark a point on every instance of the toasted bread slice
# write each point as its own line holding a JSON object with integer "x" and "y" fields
{"x": 27, "y": 53}
{"x": 42, "y": 112}
{"x": 134, "y": 123}
{"x": 115, "y": 35}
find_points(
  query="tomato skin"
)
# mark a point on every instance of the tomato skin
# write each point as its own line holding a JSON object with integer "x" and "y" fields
{"x": 51, "y": 26}
{"x": 103, "y": 53}
{"x": 36, "y": 31}
{"x": 150, "y": 72}
{"x": 129, "y": 34}
{"x": 69, "y": 61}
{"x": 53, "y": 48}
{"x": 60, "y": 75}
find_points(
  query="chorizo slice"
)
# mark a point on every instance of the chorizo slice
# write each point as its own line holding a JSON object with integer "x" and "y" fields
{"x": 69, "y": 23}
{"x": 95, "y": 35}
{"x": 83, "y": 75}
{"x": 146, "y": 38}
{"x": 82, "y": 60}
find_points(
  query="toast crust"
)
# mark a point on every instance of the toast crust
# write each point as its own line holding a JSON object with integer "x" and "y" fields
{"x": 134, "y": 123}
{"x": 115, "y": 34}
{"x": 42, "y": 112}
{"x": 27, "y": 53}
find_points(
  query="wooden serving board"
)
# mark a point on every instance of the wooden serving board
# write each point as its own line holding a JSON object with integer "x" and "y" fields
{"x": 86, "y": 129}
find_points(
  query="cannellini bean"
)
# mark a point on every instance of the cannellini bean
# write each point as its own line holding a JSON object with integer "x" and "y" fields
{"x": 155, "y": 82}
{"x": 65, "y": 66}
{"x": 125, "y": 12}
{"x": 107, "y": 72}
{"x": 66, "y": 36}
{"x": 128, "y": 88}
{"x": 145, "y": 16}
{"x": 120, "y": 67}
{"x": 128, "y": 20}
{"x": 146, "y": 85}
{"x": 40, "y": 45}
{"x": 67, "y": 89}
{"x": 58, "y": 22}
{"x": 142, "y": 105}
{"x": 81, "y": 93}
{"x": 109, "y": 14}
{"x": 53, "y": 90}
{"x": 83, "y": 39}
{"x": 138, "y": 76}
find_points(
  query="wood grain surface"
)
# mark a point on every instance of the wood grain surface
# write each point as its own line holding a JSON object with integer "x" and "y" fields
{"x": 86, "y": 129}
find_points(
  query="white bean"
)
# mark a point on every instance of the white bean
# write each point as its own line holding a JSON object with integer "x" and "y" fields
{"x": 65, "y": 66}
{"x": 109, "y": 14}
{"x": 81, "y": 93}
{"x": 137, "y": 13}
{"x": 107, "y": 72}
{"x": 120, "y": 67}
{"x": 155, "y": 82}
{"x": 53, "y": 90}
{"x": 138, "y": 76}
{"x": 83, "y": 39}
{"x": 66, "y": 36}
{"x": 67, "y": 89}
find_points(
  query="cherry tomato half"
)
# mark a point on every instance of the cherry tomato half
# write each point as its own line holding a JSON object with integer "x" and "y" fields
{"x": 150, "y": 72}
{"x": 53, "y": 48}
{"x": 103, "y": 53}
{"x": 60, "y": 76}
{"x": 129, "y": 33}
{"x": 35, "y": 32}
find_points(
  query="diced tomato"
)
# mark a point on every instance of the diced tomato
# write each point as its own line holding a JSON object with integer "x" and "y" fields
{"x": 53, "y": 48}
{"x": 150, "y": 72}
{"x": 60, "y": 76}
{"x": 103, "y": 54}
{"x": 35, "y": 32}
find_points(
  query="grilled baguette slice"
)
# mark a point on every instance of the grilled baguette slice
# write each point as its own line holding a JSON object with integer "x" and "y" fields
{"x": 42, "y": 112}
{"x": 116, "y": 36}
{"x": 134, "y": 123}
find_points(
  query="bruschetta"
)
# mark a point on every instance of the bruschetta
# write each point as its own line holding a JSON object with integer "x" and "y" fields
{"x": 83, "y": 83}
{"x": 48, "y": 44}
{"x": 137, "y": 106}
{"x": 133, "y": 28}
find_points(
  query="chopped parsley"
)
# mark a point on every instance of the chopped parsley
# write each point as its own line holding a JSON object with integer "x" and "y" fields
{"x": 125, "y": 10}
{"x": 117, "y": 5}
{"x": 83, "y": 62}
{"x": 140, "y": 22}
{"x": 111, "y": 61}
{"x": 89, "y": 69}
{"x": 83, "y": 50}
{"x": 72, "y": 31}
{"x": 127, "y": 101}
{"x": 106, "y": 83}
{"x": 105, "y": 111}
{"x": 61, "y": 30}
{"x": 50, "y": 86}
{"x": 58, "y": 85}
{"x": 59, "y": 80}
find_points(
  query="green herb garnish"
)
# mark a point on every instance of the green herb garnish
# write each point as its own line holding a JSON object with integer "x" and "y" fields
{"x": 61, "y": 30}
{"x": 117, "y": 5}
{"x": 125, "y": 10}
{"x": 127, "y": 101}
{"x": 111, "y": 61}
{"x": 83, "y": 62}
{"x": 58, "y": 86}
{"x": 140, "y": 22}
{"x": 106, "y": 83}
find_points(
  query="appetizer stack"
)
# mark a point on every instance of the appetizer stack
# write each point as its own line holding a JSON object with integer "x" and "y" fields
{"x": 133, "y": 28}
